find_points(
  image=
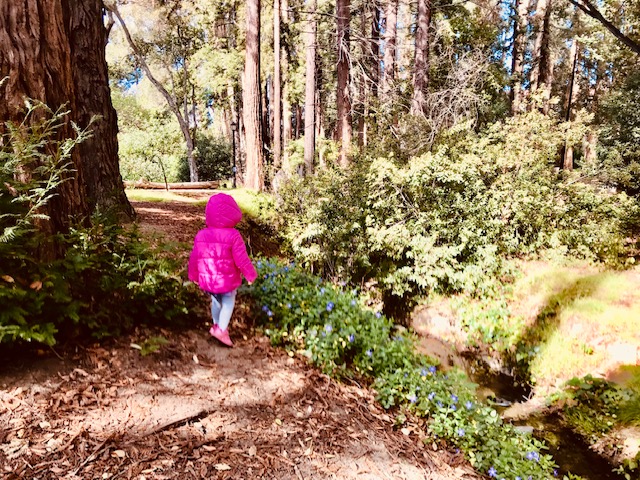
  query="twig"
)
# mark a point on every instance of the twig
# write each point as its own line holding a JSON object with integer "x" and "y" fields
{"x": 94, "y": 454}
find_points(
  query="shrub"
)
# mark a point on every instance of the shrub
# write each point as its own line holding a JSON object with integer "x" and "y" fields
{"x": 330, "y": 326}
{"x": 214, "y": 159}
{"x": 445, "y": 221}
{"x": 106, "y": 280}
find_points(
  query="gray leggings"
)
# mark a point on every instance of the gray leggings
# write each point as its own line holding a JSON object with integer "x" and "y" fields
{"x": 222, "y": 308}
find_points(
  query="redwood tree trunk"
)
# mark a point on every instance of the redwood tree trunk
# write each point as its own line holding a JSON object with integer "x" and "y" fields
{"x": 105, "y": 189}
{"x": 53, "y": 52}
{"x": 277, "y": 91}
{"x": 343, "y": 124}
{"x": 517, "y": 54}
{"x": 390, "y": 35}
{"x": 254, "y": 173}
{"x": 542, "y": 71}
{"x": 421, "y": 65}
{"x": 310, "y": 93}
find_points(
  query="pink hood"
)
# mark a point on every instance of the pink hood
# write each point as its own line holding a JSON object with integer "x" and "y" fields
{"x": 219, "y": 256}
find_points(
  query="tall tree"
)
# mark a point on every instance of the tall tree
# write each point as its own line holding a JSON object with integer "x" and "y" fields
{"x": 572, "y": 93}
{"x": 542, "y": 70}
{"x": 343, "y": 127}
{"x": 251, "y": 101}
{"x": 287, "y": 130}
{"x": 421, "y": 60}
{"x": 390, "y": 35}
{"x": 277, "y": 87}
{"x": 176, "y": 100}
{"x": 520, "y": 24}
{"x": 310, "y": 91}
{"x": 53, "y": 51}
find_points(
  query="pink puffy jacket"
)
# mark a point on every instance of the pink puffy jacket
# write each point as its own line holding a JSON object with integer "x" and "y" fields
{"x": 219, "y": 255}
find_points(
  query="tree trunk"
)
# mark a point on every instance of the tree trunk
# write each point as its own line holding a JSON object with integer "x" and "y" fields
{"x": 277, "y": 90}
{"x": 287, "y": 130}
{"x": 421, "y": 64}
{"x": 518, "y": 53}
{"x": 541, "y": 52}
{"x": 343, "y": 126}
{"x": 53, "y": 52}
{"x": 105, "y": 190}
{"x": 572, "y": 90}
{"x": 389, "y": 60}
{"x": 310, "y": 92}
{"x": 254, "y": 174}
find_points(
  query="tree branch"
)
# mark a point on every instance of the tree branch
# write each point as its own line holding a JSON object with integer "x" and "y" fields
{"x": 587, "y": 7}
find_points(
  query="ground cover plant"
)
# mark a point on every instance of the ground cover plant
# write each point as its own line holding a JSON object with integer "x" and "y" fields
{"x": 100, "y": 279}
{"x": 331, "y": 326}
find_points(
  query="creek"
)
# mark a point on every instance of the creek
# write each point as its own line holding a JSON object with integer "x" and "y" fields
{"x": 570, "y": 452}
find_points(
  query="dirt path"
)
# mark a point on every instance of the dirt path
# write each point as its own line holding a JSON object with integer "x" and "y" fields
{"x": 197, "y": 410}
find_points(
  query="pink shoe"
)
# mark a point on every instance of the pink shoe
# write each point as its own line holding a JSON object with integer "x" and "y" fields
{"x": 222, "y": 336}
{"x": 213, "y": 330}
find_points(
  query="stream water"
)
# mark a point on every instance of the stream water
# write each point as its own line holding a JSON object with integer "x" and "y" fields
{"x": 569, "y": 451}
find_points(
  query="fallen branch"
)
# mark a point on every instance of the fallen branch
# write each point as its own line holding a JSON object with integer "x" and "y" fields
{"x": 172, "y": 186}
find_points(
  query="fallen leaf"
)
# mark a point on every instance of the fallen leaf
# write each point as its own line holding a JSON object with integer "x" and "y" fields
{"x": 221, "y": 466}
{"x": 8, "y": 279}
{"x": 195, "y": 359}
{"x": 252, "y": 451}
{"x": 118, "y": 454}
{"x": 405, "y": 431}
{"x": 136, "y": 346}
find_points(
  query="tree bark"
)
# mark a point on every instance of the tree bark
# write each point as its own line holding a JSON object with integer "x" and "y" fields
{"x": 572, "y": 91}
{"x": 390, "y": 36}
{"x": 541, "y": 56}
{"x": 254, "y": 173}
{"x": 310, "y": 92}
{"x": 518, "y": 53}
{"x": 277, "y": 88}
{"x": 287, "y": 130}
{"x": 343, "y": 126}
{"x": 53, "y": 52}
{"x": 421, "y": 64}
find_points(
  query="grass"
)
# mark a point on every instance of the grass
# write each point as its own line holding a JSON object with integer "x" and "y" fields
{"x": 576, "y": 316}
{"x": 252, "y": 204}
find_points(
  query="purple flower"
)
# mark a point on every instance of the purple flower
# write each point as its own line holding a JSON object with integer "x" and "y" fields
{"x": 518, "y": 478}
{"x": 353, "y": 302}
{"x": 492, "y": 472}
{"x": 412, "y": 398}
{"x": 432, "y": 369}
{"x": 369, "y": 353}
{"x": 454, "y": 408}
{"x": 288, "y": 305}
{"x": 330, "y": 306}
{"x": 269, "y": 313}
{"x": 468, "y": 405}
{"x": 431, "y": 396}
{"x": 461, "y": 432}
{"x": 322, "y": 291}
{"x": 328, "y": 328}
{"x": 265, "y": 308}
{"x": 423, "y": 372}
{"x": 378, "y": 314}
{"x": 454, "y": 398}
{"x": 555, "y": 472}
{"x": 352, "y": 337}
{"x": 535, "y": 456}
{"x": 439, "y": 404}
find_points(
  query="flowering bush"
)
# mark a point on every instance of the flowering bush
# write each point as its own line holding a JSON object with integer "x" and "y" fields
{"x": 330, "y": 325}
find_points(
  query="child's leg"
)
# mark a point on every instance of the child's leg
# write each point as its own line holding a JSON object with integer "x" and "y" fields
{"x": 228, "y": 301}
{"x": 215, "y": 307}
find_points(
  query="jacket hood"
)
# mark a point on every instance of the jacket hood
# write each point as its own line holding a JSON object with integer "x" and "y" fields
{"x": 222, "y": 211}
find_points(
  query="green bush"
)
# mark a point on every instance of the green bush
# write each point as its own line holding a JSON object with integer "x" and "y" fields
{"x": 152, "y": 152}
{"x": 447, "y": 220}
{"x": 330, "y": 326}
{"x": 213, "y": 160}
{"x": 106, "y": 280}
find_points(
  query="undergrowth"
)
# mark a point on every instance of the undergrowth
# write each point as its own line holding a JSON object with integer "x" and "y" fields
{"x": 335, "y": 331}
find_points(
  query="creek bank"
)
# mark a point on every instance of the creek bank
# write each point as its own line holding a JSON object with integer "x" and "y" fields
{"x": 442, "y": 337}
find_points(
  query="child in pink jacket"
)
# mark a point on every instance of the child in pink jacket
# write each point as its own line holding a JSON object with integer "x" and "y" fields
{"x": 218, "y": 261}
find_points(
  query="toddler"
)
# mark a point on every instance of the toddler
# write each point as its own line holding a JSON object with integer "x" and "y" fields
{"x": 218, "y": 261}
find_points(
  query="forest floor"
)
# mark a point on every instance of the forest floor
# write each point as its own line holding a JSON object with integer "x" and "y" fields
{"x": 195, "y": 409}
